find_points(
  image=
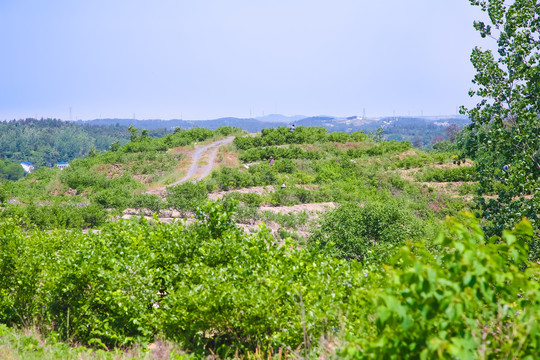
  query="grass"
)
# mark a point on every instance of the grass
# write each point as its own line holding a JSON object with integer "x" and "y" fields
{"x": 29, "y": 344}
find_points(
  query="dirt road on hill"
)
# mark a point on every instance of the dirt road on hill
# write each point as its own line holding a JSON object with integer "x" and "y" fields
{"x": 209, "y": 151}
{"x": 196, "y": 171}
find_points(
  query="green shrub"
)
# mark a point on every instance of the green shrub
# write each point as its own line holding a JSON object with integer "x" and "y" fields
{"x": 461, "y": 173}
{"x": 115, "y": 198}
{"x": 352, "y": 231}
{"x": 227, "y": 178}
{"x": 147, "y": 201}
{"x": 285, "y": 166}
{"x": 252, "y": 199}
{"x": 473, "y": 300}
{"x": 57, "y": 216}
{"x": 264, "y": 154}
{"x": 187, "y": 196}
{"x": 444, "y": 146}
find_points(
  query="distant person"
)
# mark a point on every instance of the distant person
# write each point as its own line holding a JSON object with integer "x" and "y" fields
{"x": 271, "y": 160}
{"x": 291, "y": 128}
{"x": 506, "y": 167}
{"x": 283, "y": 186}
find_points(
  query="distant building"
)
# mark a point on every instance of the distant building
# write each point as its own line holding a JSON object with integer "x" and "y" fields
{"x": 62, "y": 165}
{"x": 27, "y": 166}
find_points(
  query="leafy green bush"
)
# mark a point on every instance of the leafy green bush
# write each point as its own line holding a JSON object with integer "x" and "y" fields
{"x": 3, "y": 193}
{"x": 227, "y": 130}
{"x": 292, "y": 152}
{"x": 285, "y": 166}
{"x": 473, "y": 300}
{"x": 229, "y": 178}
{"x": 461, "y": 173}
{"x": 115, "y": 198}
{"x": 352, "y": 231}
{"x": 252, "y": 199}
{"x": 57, "y": 216}
{"x": 301, "y": 135}
{"x": 187, "y": 196}
{"x": 147, "y": 201}
{"x": 444, "y": 146}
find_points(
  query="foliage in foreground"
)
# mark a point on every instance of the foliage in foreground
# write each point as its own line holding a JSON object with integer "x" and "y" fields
{"x": 29, "y": 344}
{"x": 505, "y": 127}
{"x": 209, "y": 286}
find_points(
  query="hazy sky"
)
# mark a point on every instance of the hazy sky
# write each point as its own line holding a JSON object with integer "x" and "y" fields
{"x": 204, "y": 59}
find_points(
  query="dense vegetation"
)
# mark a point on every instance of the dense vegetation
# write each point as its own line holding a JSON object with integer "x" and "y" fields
{"x": 209, "y": 286}
{"x": 48, "y": 141}
{"x": 371, "y": 279}
{"x": 10, "y": 170}
{"x": 504, "y": 136}
{"x": 84, "y": 194}
{"x": 383, "y": 273}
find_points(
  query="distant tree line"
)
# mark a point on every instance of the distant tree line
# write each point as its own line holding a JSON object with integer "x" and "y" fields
{"x": 10, "y": 170}
{"x": 47, "y": 141}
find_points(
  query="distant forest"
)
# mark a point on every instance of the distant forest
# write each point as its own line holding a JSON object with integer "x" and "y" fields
{"x": 48, "y": 141}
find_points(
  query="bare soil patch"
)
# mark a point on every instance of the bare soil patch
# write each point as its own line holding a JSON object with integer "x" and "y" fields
{"x": 261, "y": 190}
{"x": 350, "y": 145}
{"x": 295, "y": 209}
{"x": 144, "y": 179}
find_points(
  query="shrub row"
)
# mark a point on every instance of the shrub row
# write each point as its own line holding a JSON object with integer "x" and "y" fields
{"x": 382, "y": 148}
{"x": 212, "y": 288}
{"x": 292, "y": 152}
{"x": 301, "y": 135}
{"x": 460, "y": 173}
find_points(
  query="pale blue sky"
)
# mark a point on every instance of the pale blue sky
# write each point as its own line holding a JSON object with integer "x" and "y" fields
{"x": 204, "y": 59}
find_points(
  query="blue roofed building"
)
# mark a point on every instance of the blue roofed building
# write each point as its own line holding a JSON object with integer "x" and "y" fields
{"x": 62, "y": 165}
{"x": 27, "y": 166}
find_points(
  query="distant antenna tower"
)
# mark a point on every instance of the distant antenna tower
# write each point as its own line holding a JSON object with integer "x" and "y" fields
{"x": 422, "y": 112}
{"x": 70, "y": 115}
{"x": 364, "y": 113}
{"x": 133, "y": 116}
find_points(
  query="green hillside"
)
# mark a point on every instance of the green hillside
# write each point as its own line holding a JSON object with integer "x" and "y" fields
{"x": 314, "y": 244}
{"x": 220, "y": 281}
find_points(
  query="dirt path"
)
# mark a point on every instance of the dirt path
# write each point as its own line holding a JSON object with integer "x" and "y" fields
{"x": 196, "y": 171}
{"x": 202, "y": 172}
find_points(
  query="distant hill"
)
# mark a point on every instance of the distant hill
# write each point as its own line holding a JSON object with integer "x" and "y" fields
{"x": 250, "y": 125}
{"x": 422, "y": 131}
{"x": 280, "y": 118}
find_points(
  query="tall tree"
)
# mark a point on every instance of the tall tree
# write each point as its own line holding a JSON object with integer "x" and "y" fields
{"x": 504, "y": 136}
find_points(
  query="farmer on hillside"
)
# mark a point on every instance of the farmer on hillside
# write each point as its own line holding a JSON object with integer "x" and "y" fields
{"x": 291, "y": 128}
{"x": 271, "y": 160}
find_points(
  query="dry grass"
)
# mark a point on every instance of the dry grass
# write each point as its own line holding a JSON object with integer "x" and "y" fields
{"x": 112, "y": 171}
{"x": 351, "y": 145}
{"x": 227, "y": 156}
{"x": 406, "y": 154}
{"x": 30, "y": 344}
